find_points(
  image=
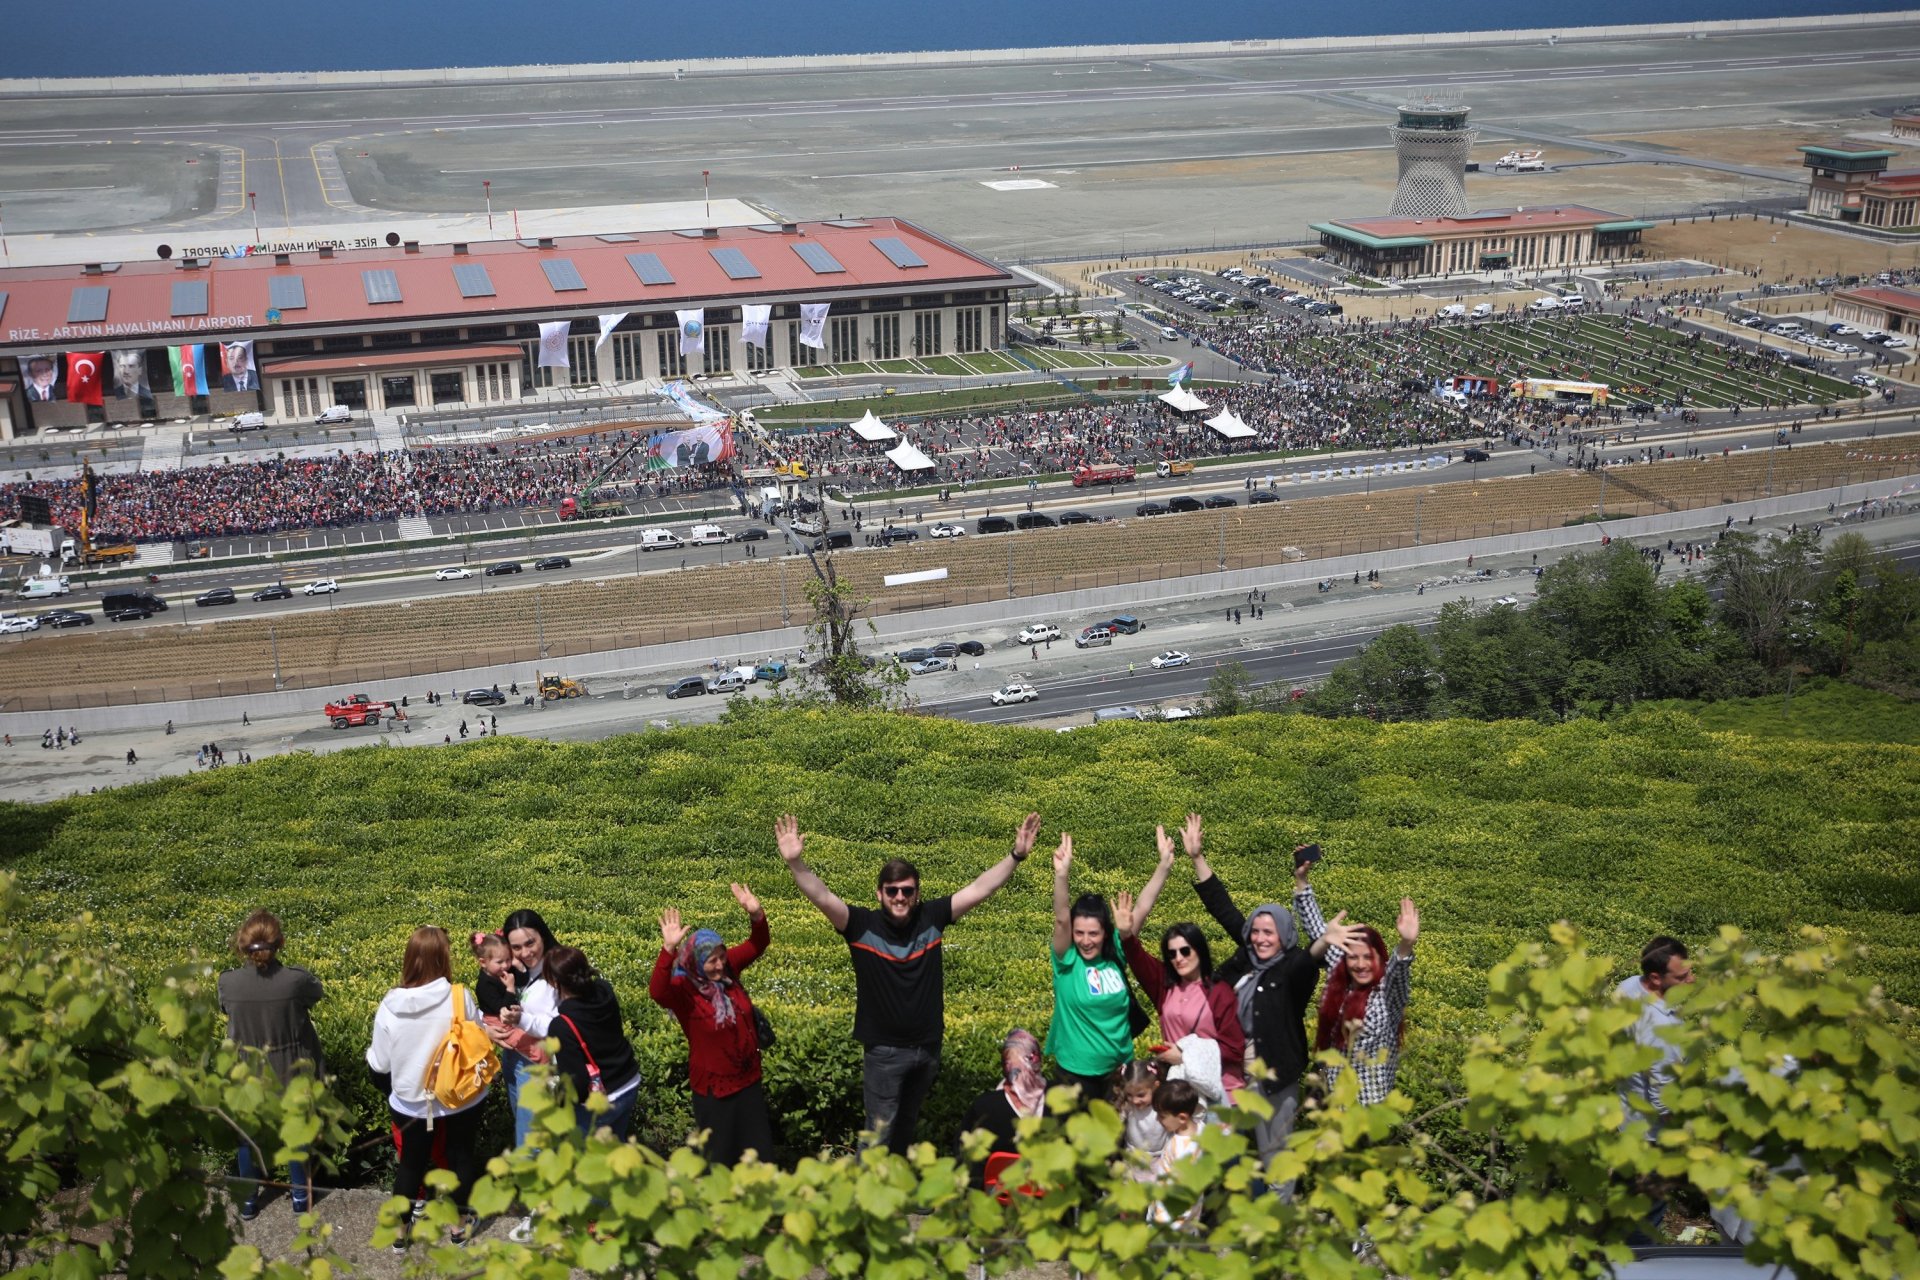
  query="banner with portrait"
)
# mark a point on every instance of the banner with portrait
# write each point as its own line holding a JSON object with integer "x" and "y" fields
{"x": 40, "y": 376}
{"x": 130, "y": 373}
{"x": 236, "y": 367}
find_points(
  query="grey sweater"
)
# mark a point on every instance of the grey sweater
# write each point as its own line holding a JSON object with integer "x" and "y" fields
{"x": 267, "y": 1010}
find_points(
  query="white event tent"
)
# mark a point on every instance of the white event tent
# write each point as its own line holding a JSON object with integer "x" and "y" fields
{"x": 1230, "y": 426}
{"x": 908, "y": 458}
{"x": 871, "y": 428}
{"x": 1183, "y": 400}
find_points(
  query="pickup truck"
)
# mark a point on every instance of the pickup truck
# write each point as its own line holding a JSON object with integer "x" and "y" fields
{"x": 1166, "y": 470}
{"x": 1101, "y": 475}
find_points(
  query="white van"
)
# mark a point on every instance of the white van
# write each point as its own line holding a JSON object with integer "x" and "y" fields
{"x": 248, "y": 422}
{"x": 46, "y": 588}
{"x": 1105, "y": 714}
{"x": 1169, "y": 332}
{"x": 1453, "y": 311}
{"x": 1480, "y": 311}
{"x": 1544, "y": 304}
{"x": 708, "y": 534}
{"x": 659, "y": 540}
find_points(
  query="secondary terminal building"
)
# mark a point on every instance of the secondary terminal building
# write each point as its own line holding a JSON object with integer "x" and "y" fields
{"x": 1883, "y": 307}
{"x": 1854, "y": 184}
{"x": 1540, "y": 238}
{"x": 395, "y": 326}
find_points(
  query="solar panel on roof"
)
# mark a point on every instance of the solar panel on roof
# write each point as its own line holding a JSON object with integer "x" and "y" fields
{"x": 189, "y": 297}
{"x": 618, "y": 238}
{"x": 381, "y": 286}
{"x": 898, "y": 253}
{"x": 691, "y": 233}
{"x": 817, "y": 257}
{"x": 649, "y": 268}
{"x": 562, "y": 274}
{"x": 89, "y": 305}
{"x": 286, "y": 293}
{"x": 735, "y": 264}
{"x": 848, "y": 222}
{"x": 473, "y": 280}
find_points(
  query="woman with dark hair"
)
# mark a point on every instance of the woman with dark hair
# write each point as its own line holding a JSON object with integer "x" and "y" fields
{"x": 1089, "y": 1037}
{"x": 267, "y": 1005}
{"x": 696, "y": 978}
{"x": 1022, "y": 1091}
{"x": 412, "y": 1021}
{"x": 530, "y": 940}
{"x": 1205, "y": 1044}
{"x": 1363, "y": 1011}
{"x": 594, "y": 1050}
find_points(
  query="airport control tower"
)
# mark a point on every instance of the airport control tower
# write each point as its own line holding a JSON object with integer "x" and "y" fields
{"x": 1433, "y": 142}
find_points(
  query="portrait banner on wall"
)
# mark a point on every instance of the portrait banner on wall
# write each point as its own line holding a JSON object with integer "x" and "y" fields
{"x": 608, "y": 323}
{"x": 189, "y": 377}
{"x": 754, "y": 323}
{"x": 693, "y": 331}
{"x": 813, "y": 324}
{"x": 41, "y": 374}
{"x": 553, "y": 344}
{"x": 236, "y": 366}
{"x": 84, "y": 383}
{"x": 130, "y": 373}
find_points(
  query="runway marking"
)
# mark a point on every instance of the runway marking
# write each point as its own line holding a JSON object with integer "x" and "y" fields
{"x": 1005, "y": 184}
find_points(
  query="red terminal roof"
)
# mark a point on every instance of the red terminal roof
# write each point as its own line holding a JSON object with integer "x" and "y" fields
{"x": 38, "y": 308}
{"x": 1485, "y": 222}
{"x": 1901, "y": 181}
{"x": 1906, "y": 301}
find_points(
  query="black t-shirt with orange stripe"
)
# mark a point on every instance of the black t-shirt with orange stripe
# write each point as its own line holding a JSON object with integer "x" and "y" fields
{"x": 900, "y": 988}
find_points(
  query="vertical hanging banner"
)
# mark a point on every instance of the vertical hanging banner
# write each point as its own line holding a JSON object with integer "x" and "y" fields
{"x": 130, "y": 372}
{"x": 553, "y": 344}
{"x": 42, "y": 376}
{"x": 188, "y": 379}
{"x": 754, "y": 323}
{"x": 236, "y": 366}
{"x": 83, "y": 376}
{"x": 693, "y": 331}
{"x": 608, "y": 323}
{"x": 813, "y": 324}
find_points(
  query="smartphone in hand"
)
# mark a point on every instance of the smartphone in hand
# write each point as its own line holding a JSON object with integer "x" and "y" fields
{"x": 1308, "y": 853}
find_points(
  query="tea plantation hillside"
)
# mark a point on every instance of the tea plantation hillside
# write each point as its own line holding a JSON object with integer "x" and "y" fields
{"x": 1496, "y": 830}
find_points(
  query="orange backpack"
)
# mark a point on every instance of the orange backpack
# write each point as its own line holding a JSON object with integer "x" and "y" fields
{"x": 464, "y": 1065}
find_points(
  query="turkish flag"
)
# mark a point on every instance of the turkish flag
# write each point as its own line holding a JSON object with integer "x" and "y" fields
{"x": 83, "y": 376}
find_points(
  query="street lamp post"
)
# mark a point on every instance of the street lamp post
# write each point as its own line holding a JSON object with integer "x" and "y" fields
{"x": 253, "y": 201}
{"x": 486, "y": 187}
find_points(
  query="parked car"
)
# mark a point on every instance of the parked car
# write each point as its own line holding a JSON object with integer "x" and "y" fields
{"x": 553, "y": 562}
{"x": 725, "y": 682}
{"x": 1034, "y": 520}
{"x": 993, "y": 524}
{"x": 1093, "y": 637}
{"x": 1171, "y": 658}
{"x": 14, "y": 624}
{"x": 320, "y": 587}
{"x": 947, "y": 531}
{"x": 1476, "y": 455}
{"x": 278, "y": 591}
{"x": 1036, "y": 632}
{"x": 1184, "y": 503}
{"x": 452, "y": 573}
{"x": 752, "y": 533}
{"x": 927, "y": 666}
{"x": 1077, "y": 517}
{"x": 129, "y": 613}
{"x": 971, "y": 648}
{"x": 484, "y": 698}
{"x": 913, "y": 655}
{"x": 219, "y": 595}
{"x": 1180, "y": 713}
{"x": 1215, "y": 501}
{"x": 1125, "y": 624}
{"x": 772, "y": 672}
{"x": 504, "y": 567}
{"x": 687, "y": 687}
{"x": 1261, "y": 496}
{"x": 66, "y": 618}
{"x": 896, "y": 534}
{"x": 1010, "y": 693}
{"x": 1149, "y": 509}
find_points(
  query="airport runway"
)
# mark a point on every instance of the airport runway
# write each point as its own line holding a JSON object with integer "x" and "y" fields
{"x": 1082, "y": 156}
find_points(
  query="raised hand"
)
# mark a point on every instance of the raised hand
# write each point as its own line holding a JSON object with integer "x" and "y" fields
{"x": 1164, "y": 843}
{"x": 671, "y": 930}
{"x": 1123, "y": 913}
{"x": 1409, "y": 923}
{"x": 1063, "y": 856}
{"x": 744, "y": 896}
{"x": 1301, "y": 869}
{"x": 786, "y": 837}
{"x": 1190, "y": 835}
{"x": 1023, "y": 838}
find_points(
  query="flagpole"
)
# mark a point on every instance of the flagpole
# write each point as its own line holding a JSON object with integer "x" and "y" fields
{"x": 4, "y": 256}
{"x": 254, "y": 200}
{"x": 706, "y": 190}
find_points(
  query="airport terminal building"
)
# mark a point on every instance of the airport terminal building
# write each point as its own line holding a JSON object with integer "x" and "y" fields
{"x": 398, "y": 326}
{"x": 1525, "y": 239}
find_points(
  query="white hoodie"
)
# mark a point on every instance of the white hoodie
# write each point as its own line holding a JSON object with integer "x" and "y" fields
{"x": 410, "y": 1024}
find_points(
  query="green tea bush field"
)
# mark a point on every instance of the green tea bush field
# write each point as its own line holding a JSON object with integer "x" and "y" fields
{"x": 1497, "y": 830}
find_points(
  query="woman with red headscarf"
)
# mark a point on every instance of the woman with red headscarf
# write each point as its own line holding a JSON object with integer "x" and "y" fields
{"x": 1364, "y": 1008}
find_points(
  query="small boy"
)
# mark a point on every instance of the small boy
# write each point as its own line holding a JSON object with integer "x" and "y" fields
{"x": 1177, "y": 1105}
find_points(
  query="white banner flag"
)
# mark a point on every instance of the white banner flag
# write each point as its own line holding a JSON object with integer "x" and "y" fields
{"x": 553, "y": 345}
{"x": 813, "y": 324}
{"x": 754, "y": 324}
{"x": 608, "y": 324}
{"x": 693, "y": 331}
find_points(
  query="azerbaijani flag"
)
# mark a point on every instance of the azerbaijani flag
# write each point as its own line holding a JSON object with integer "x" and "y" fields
{"x": 1180, "y": 375}
{"x": 189, "y": 379}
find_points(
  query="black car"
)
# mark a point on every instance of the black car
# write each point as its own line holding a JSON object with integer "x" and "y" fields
{"x": 946, "y": 649}
{"x": 66, "y": 618}
{"x": 484, "y": 698}
{"x": 1126, "y": 624}
{"x": 918, "y": 655}
{"x": 553, "y": 562}
{"x": 1184, "y": 503}
{"x": 219, "y": 595}
{"x": 972, "y": 648}
{"x": 687, "y": 687}
{"x": 1128, "y": 345}
{"x": 130, "y": 613}
{"x": 993, "y": 524}
{"x": 900, "y": 535}
{"x": 1149, "y": 509}
{"x": 1034, "y": 520}
{"x": 278, "y": 591}
{"x": 1475, "y": 455}
{"x": 1261, "y": 495}
{"x": 1219, "y": 500}
{"x": 1078, "y": 517}
{"x": 752, "y": 533}
{"x": 505, "y": 566}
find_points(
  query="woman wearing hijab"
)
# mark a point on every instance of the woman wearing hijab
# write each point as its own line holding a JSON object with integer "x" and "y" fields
{"x": 1273, "y": 980}
{"x": 1363, "y": 1012}
{"x": 1022, "y": 1091}
{"x": 696, "y": 977}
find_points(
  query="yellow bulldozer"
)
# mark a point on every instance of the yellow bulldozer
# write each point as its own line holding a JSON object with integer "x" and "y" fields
{"x": 558, "y": 686}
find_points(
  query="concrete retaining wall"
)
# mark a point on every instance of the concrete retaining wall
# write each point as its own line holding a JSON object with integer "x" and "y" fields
{"x": 674, "y": 660}
{"x": 934, "y": 58}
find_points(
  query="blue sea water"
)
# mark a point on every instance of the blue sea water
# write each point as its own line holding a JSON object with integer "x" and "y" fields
{"x": 137, "y": 37}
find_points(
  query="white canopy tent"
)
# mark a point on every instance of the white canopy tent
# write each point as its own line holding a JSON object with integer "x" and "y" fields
{"x": 908, "y": 458}
{"x": 871, "y": 428}
{"x": 1230, "y": 426}
{"x": 1183, "y": 400}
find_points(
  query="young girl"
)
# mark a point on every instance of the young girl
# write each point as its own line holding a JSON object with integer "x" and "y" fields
{"x": 494, "y": 990}
{"x": 1133, "y": 1088}
{"x": 1176, "y": 1104}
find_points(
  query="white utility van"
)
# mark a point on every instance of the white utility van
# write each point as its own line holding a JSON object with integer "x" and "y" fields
{"x": 1481, "y": 311}
{"x": 704, "y": 534}
{"x": 1544, "y": 304}
{"x": 1169, "y": 332}
{"x": 44, "y": 588}
{"x": 659, "y": 540}
{"x": 1453, "y": 311}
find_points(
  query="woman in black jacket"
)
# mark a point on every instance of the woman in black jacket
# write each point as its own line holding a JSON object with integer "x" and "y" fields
{"x": 594, "y": 1050}
{"x": 1273, "y": 980}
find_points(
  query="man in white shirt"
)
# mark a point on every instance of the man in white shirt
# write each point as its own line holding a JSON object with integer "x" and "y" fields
{"x": 1664, "y": 965}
